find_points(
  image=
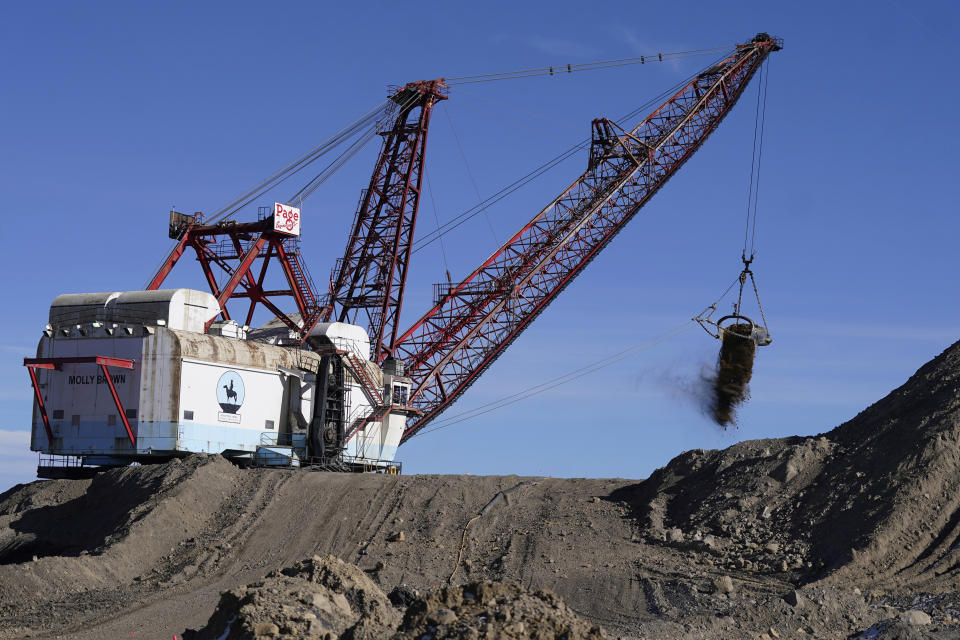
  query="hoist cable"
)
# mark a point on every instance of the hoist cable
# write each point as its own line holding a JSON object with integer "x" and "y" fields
{"x": 753, "y": 164}
{"x": 756, "y": 195}
{"x": 753, "y": 199}
{"x": 753, "y": 191}
{"x": 559, "y": 380}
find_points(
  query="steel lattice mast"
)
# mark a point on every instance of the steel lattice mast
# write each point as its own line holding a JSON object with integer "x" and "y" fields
{"x": 474, "y": 321}
{"x": 368, "y": 282}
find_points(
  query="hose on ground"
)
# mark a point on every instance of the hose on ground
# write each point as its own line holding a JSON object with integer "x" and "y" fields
{"x": 493, "y": 501}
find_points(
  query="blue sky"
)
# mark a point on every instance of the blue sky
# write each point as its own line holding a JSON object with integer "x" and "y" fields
{"x": 115, "y": 112}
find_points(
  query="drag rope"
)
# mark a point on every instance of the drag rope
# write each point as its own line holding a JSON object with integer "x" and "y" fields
{"x": 463, "y": 538}
{"x": 559, "y": 380}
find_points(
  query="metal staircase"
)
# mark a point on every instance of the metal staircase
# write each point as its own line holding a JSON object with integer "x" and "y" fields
{"x": 358, "y": 368}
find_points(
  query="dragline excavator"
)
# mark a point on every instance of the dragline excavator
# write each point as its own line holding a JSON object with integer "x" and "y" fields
{"x": 337, "y": 382}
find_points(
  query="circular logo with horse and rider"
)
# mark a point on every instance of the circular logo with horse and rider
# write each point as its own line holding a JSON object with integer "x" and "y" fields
{"x": 230, "y": 392}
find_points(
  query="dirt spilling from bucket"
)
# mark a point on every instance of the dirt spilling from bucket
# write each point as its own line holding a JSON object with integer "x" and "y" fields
{"x": 731, "y": 380}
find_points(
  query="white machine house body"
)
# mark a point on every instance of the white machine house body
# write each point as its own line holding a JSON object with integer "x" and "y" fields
{"x": 145, "y": 376}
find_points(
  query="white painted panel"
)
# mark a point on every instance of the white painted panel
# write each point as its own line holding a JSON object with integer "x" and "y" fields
{"x": 230, "y": 395}
{"x": 286, "y": 219}
{"x": 396, "y": 422}
{"x": 158, "y": 386}
{"x": 81, "y": 390}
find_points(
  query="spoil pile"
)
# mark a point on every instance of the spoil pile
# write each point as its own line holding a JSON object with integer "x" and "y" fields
{"x": 853, "y": 532}
{"x": 877, "y": 498}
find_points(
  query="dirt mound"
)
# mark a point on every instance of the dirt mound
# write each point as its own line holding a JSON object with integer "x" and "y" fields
{"x": 315, "y": 597}
{"x": 205, "y": 527}
{"x": 326, "y": 597}
{"x": 840, "y": 533}
{"x": 121, "y": 498}
{"x": 24, "y": 497}
{"x": 77, "y": 542}
{"x": 877, "y": 498}
{"x": 494, "y": 610}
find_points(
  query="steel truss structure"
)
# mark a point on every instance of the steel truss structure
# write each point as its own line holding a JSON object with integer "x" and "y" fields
{"x": 368, "y": 282}
{"x": 230, "y": 249}
{"x": 474, "y": 321}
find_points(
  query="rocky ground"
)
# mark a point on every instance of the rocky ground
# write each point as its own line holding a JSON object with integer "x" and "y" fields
{"x": 854, "y": 533}
{"x": 326, "y": 597}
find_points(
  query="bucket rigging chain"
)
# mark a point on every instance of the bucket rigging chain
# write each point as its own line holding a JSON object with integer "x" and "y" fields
{"x": 715, "y": 328}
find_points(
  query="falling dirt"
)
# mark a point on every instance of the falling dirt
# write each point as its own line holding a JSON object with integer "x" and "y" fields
{"x": 732, "y": 377}
{"x": 853, "y": 533}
